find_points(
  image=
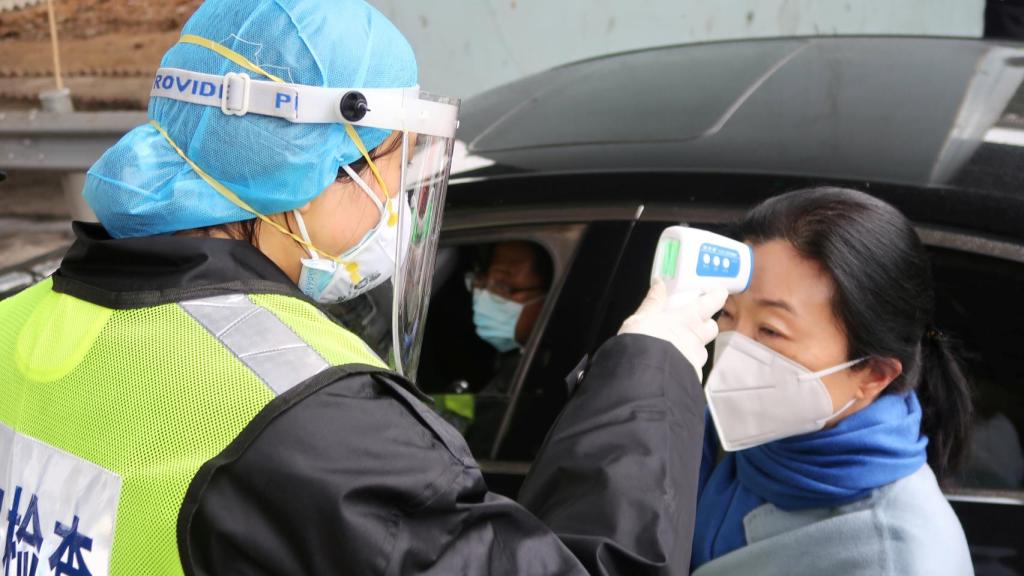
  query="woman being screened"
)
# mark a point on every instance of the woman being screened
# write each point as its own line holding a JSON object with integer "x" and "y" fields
{"x": 840, "y": 405}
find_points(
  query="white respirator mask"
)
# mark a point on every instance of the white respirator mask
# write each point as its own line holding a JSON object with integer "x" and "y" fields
{"x": 362, "y": 268}
{"x": 757, "y": 395}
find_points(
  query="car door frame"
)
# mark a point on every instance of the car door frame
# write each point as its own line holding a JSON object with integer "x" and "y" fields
{"x": 559, "y": 229}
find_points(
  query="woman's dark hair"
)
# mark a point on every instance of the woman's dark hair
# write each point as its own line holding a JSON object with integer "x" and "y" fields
{"x": 248, "y": 230}
{"x": 883, "y": 297}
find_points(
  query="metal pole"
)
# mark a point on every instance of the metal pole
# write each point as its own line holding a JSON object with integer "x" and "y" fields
{"x": 59, "y": 102}
{"x": 55, "y": 44}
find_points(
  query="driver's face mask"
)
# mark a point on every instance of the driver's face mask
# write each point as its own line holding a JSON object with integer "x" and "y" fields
{"x": 495, "y": 318}
{"x": 757, "y": 395}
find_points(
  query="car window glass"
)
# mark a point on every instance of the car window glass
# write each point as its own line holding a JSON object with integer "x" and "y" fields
{"x": 979, "y": 304}
{"x": 486, "y": 304}
{"x": 570, "y": 334}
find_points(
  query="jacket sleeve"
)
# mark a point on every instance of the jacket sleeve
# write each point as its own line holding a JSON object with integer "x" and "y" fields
{"x": 358, "y": 476}
{"x": 617, "y": 476}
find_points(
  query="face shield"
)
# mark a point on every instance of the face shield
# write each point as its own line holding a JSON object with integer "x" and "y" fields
{"x": 390, "y": 317}
{"x": 424, "y": 183}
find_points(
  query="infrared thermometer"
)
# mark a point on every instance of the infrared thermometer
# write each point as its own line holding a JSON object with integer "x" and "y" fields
{"x": 694, "y": 260}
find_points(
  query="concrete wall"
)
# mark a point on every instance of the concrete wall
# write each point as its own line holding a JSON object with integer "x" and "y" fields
{"x": 467, "y": 46}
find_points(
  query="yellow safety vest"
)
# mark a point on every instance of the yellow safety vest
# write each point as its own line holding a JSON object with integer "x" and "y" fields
{"x": 107, "y": 415}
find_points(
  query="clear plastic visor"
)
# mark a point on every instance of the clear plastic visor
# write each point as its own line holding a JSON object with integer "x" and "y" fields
{"x": 391, "y": 317}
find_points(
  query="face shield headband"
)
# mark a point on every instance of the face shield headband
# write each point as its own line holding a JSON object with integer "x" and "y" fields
{"x": 424, "y": 175}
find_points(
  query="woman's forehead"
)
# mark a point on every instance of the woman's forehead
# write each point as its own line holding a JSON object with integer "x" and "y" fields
{"x": 782, "y": 275}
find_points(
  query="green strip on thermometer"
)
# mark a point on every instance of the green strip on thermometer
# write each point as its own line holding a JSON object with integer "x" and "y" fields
{"x": 670, "y": 258}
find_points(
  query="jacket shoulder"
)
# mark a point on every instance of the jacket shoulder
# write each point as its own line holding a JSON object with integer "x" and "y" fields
{"x": 923, "y": 534}
{"x": 906, "y": 527}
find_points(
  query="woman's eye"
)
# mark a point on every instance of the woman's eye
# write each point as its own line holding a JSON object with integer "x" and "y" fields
{"x": 768, "y": 332}
{"x": 725, "y": 314}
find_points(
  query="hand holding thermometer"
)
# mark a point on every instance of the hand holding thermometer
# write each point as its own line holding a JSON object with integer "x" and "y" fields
{"x": 698, "y": 268}
{"x": 690, "y": 260}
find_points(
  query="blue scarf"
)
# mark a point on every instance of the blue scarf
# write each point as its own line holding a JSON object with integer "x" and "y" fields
{"x": 865, "y": 451}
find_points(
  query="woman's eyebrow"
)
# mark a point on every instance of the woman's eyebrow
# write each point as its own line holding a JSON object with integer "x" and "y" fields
{"x": 780, "y": 304}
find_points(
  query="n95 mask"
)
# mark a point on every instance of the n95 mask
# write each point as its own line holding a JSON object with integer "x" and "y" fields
{"x": 757, "y": 395}
{"x": 365, "y": 266}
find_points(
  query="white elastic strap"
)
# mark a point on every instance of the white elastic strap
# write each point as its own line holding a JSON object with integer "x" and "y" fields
{"x": 305, "y": 235}
{"x": 833, "y": 370}
{"x": 839, "y": 412}
{"x": 387, "y": 108}
{"x": 366, "y": 188}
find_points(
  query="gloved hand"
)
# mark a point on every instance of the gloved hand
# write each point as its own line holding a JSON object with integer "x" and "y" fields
{"x": 683, "y": 320}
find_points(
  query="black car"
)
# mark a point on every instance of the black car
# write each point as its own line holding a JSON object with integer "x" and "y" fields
{"x": 591, "y": 161}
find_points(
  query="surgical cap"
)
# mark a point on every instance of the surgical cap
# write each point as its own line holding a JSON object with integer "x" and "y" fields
{"x": 142, "y": 187}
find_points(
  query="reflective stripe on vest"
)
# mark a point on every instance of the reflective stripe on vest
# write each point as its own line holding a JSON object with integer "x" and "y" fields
{"x": 259, "y": 339}
{"x": 107, "y": 415}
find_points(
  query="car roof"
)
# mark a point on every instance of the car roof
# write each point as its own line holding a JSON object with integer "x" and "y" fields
{"x": 927, "y": 112}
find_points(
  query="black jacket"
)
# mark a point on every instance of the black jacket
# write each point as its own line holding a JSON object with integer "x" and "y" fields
{"x": 351, "y": 473}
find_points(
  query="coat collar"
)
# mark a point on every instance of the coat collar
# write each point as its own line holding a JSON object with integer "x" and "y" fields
{"x": 155, "y": 270}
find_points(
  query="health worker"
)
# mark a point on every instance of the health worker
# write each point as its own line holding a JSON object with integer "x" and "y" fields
{"x": 176, "y": 400}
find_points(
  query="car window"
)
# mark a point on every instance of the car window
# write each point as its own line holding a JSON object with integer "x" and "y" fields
{"x": 979, "y": 303}
{"x": 571, "y": 333}
{"x": 481, "y": 318}
{"x": 490, "y": 299}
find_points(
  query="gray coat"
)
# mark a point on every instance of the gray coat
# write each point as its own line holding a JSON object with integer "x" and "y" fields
{"x": 904, "y": 528}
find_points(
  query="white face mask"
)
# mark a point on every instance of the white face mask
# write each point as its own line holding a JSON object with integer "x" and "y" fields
{"x": 362, "y": 268}
{"x": 757, "y": 395}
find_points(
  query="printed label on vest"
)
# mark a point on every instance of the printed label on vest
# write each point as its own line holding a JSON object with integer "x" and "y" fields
{"x": 57, "y": 511}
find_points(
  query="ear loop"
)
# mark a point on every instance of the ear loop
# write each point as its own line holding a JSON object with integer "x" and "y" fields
{"x": 381, "y": 210}
{"x": 351, "y": 267}
{"x": 307, "y": 244}
{"x": 366, "y": 188}
{"x": 834, "y": 370}
{"x": 392, "y": 215}
{"x": 829, "y": 372}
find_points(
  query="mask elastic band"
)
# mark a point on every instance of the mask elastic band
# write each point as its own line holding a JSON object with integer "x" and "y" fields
{"x": 834, "y": 369}
{"x": 223, "y": 190}
{"x": 351, "y": 267}
{"x": 351, "y": 131}
{"x": 365, "y": 188}
{"x": 305, "y": 235}
{"x": 839, "y": 412}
